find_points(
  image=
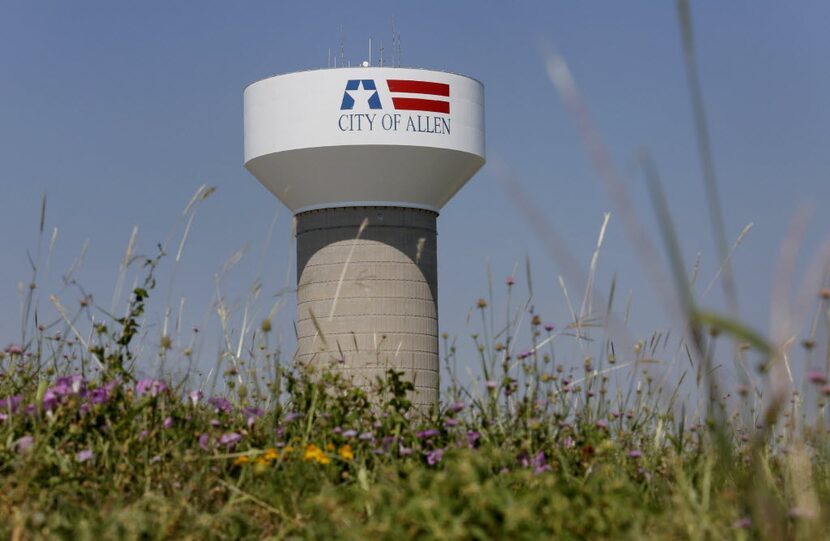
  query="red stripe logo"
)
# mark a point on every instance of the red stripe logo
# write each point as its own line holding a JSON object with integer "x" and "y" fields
{"x": 407, "y": 102}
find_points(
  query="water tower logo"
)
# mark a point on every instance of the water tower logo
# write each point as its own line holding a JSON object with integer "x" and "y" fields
{"x": 406, "y": 95}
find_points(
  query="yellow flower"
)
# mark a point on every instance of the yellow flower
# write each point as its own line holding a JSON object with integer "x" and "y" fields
{"x": 315, "y": 454}
{"x": 329, "y": 446}
{"x": 345, "y": 453}
{"x": 261, "y": 460}
{"x": 240, "y": 460}
{"x": 271, "y": 454}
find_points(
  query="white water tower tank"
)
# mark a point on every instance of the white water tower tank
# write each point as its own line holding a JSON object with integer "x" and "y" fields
{"x": 366, "y": 157}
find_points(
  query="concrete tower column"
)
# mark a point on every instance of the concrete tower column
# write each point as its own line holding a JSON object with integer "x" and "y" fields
{"x": 367, "y": 302}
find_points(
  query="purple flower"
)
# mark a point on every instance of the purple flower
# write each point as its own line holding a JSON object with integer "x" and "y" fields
{"x": 602, "y": 424}
{"x": 429, "y": 433}
{"x": 23, "y": 445}
{"x": 168, "y": 423}
{"x": 491, "y": 384}
{"x": 510, "y": 281}
{"x": 366, "y": 436}
{"x": 11, "y": 403}
{"x": 251, "y": 414}
{"x": 220, "y": 404}
{"x": 84, "y": 455}
{"x": 143, "y": 434}
{"x": 350, "y": 433}
{"x": 3, "y": 416}
{"x": 100, "y": 395}
{"x": 204, "y": 439}
{"x": 549, "y": 327}
{"x": 378, "y": 451}
{"x": 472, "y": 437}
{"x": 14, "y": 349}
{"x": 153, "y": 387}
{"x": 404, "y": 451}
{"x": 456, "y": 407}
{"x": 293, "y": 416}
{"x": 435, "y": 456}
{"x": 229, "y": 439}
{"x": 817, "y": 377}
{"x": 525, "y": 354}
{"x": 450, "y": 423}
{"x": 568, "y": 442}
{"x": 742, "y": 523}
{"x": 635, "y": 453}
{"x": 215, "y": 422}
{"x": 539, "y": 463}
{"x": 195, "y": 396}
{"x": 337, "y": 430}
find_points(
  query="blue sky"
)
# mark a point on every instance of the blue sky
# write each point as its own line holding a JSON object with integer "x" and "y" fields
{"x": 118, "y": 113}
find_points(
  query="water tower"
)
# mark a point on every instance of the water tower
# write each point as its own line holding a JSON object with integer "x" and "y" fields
{"x": 365, "y": 158}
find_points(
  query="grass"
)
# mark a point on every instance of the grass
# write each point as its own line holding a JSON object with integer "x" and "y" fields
{"x": 539, "y": 446}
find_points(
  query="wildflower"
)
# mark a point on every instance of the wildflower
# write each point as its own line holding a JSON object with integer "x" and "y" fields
{"x": 346, "y": 453}
{"x": 143, "y": 434}
{"x": 11, "y": 403}
{"x": 195, "y": 396}
{"x": 23, "y": 445}
{"x": 429, "y": 433}
{"x": 215, "y": 422}
{"x": 168, "y": 423}
{"x": 540, "y": 463}
{"x": 3, "y": 416}
{"x": 240, "y": 460}
{"x": 293, "y": 416}
{"x": 472, "y": 437}
{"x": 271, "y": 454}
{"x": 602, "y": 424}
{"x": 549, "y": 327}
{"x": 824, "y": 293}
{"x": 635, "y": 453}
{"x": 568, "y": 442}
{"x": 456, "y": 407}
{"x": 510, "y": 281}
{"x": 450, "y": 423}
{"x": 204, "y": 439}
{"x": 313, "y": 453}
{"x": 220, "y": 404}
{"x": 826, "y": 389}
{"x": 153, "y": 387}
{"x": 100, "y": 395}
{"x": 229, "y": 439}
{"x": 404, "y": 451}
{"x": 14, "y": 349}
{"x": 329, "y": 446}
{"x": 366, "y": 436}
{"x": 817, "y": 377}
{"x": 350, "y": 433}
{"x": 435, "y": 456}
{"x": 83, "y": 456}
{"x": 482, "y": 304}
{"x": 742, "y": 523}
{"x": 251, "y": 414}
{"x": 491, "y": 384}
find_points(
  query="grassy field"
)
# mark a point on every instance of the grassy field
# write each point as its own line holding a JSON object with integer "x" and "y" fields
{"x": 538, "y": 447}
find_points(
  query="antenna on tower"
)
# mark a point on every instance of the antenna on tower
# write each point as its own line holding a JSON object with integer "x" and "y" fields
{"x": 329, "y": 57}
{"x": 370, "y": 51}
{"x": 381, "y": 53}
{"x": 396, "y": 45}
{"x": 342, "y": 48}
